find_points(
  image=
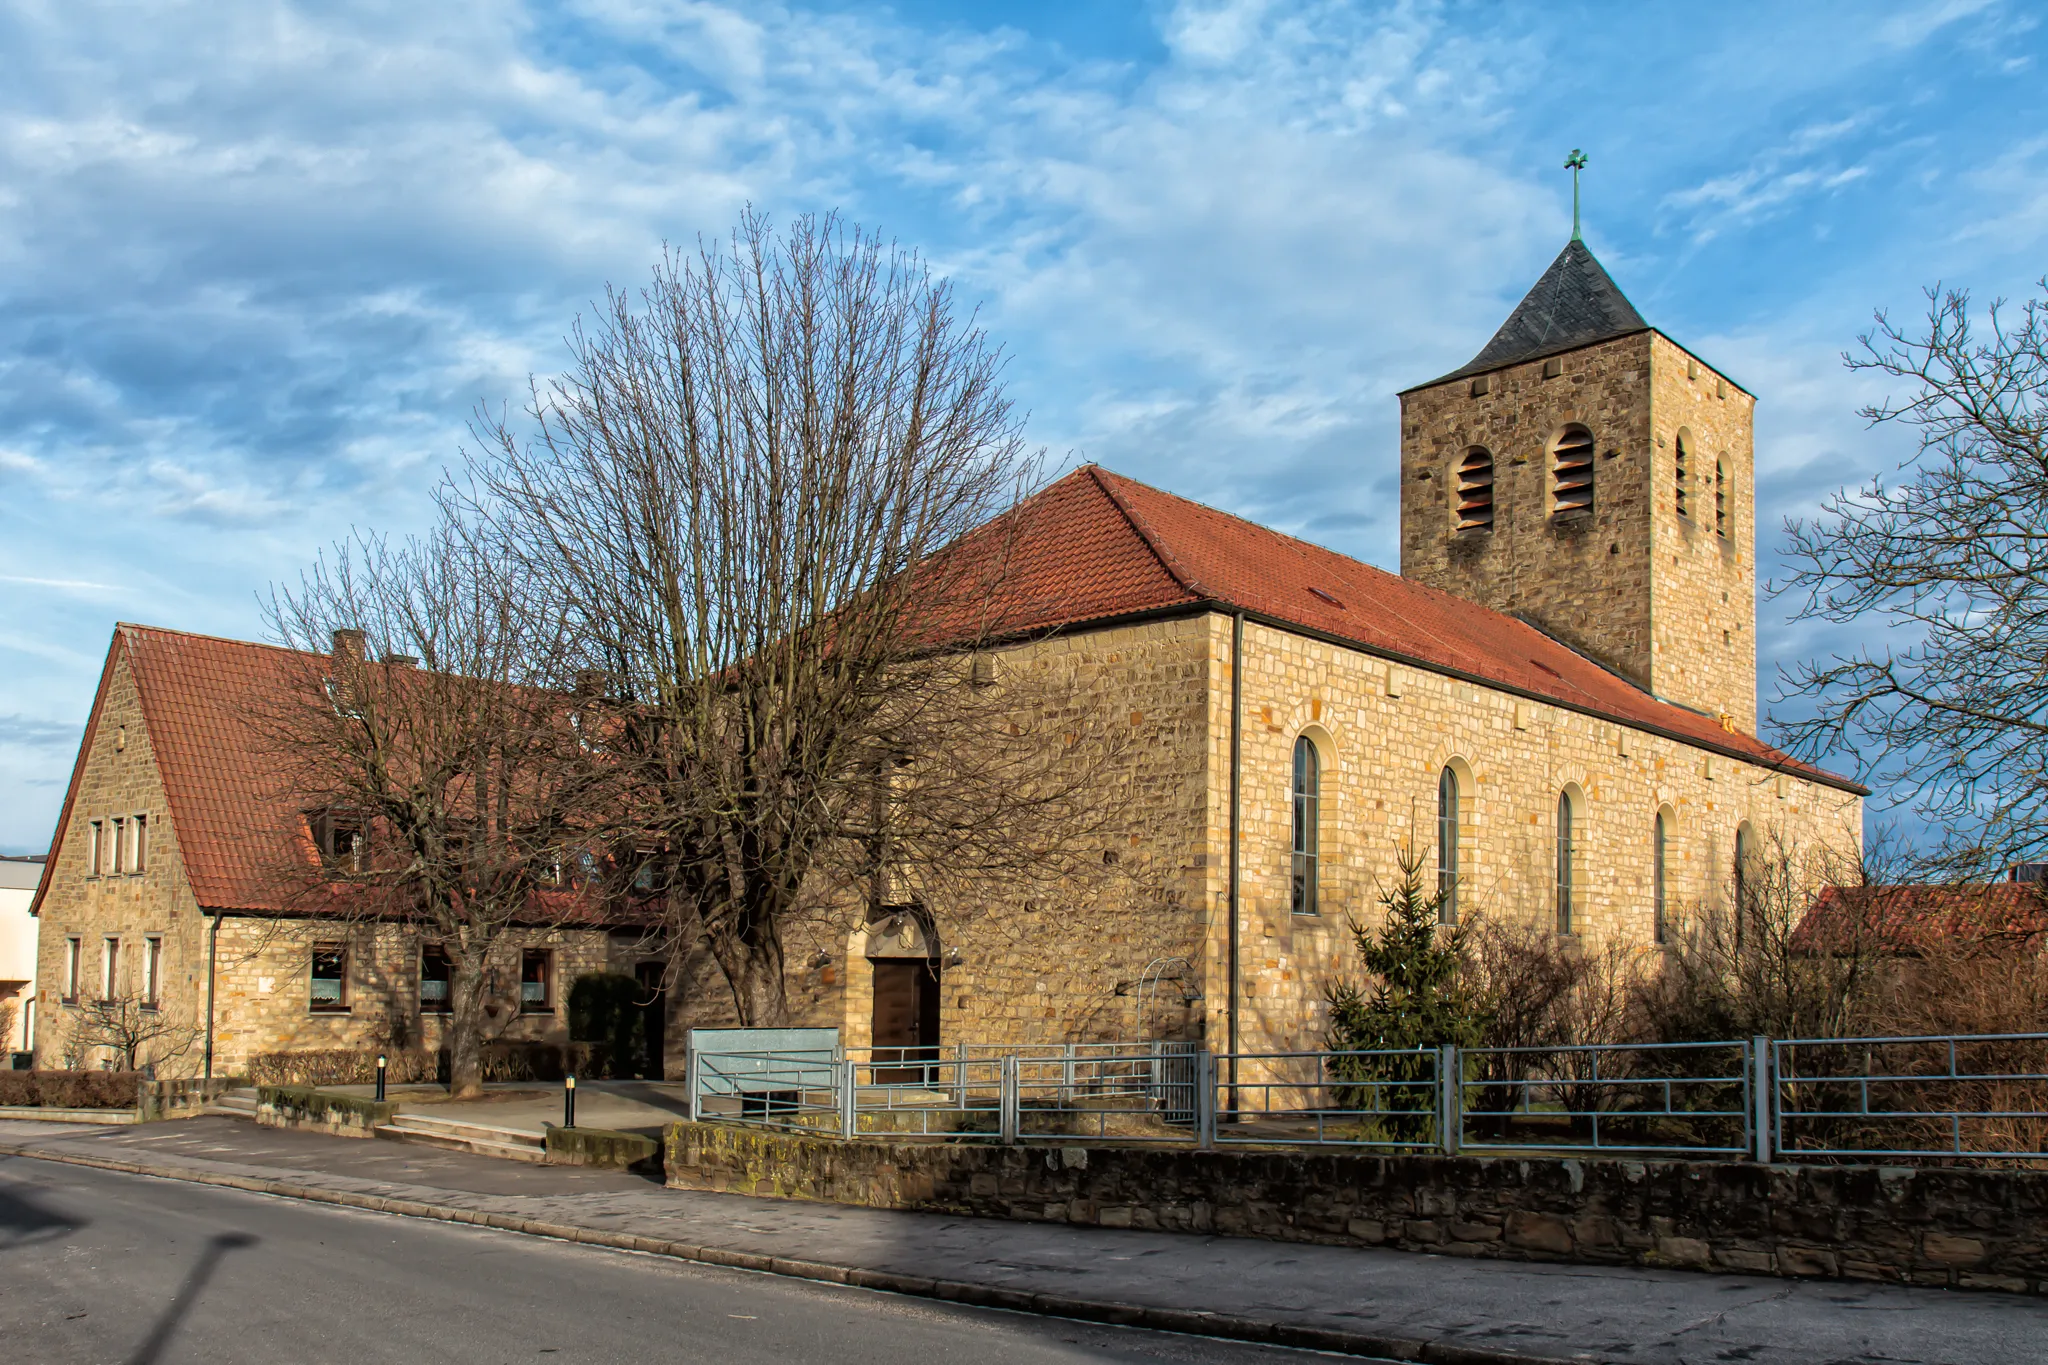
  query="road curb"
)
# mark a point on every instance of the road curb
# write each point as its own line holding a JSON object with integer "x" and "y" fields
{"x": 1421, "y": 1351}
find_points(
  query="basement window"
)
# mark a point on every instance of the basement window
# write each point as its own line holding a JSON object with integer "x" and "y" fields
{"x": 1571, "y": 472}
{"x": 329, "y": 979}
{"x": 1473, "y": 493}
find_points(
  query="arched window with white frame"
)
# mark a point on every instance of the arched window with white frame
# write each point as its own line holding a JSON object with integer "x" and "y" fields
{"x": 1447, "y": 815}
{"x": 1567, "y": 851}
{"x": 1308, "y": 783}
{"x": 1660, "y": 853}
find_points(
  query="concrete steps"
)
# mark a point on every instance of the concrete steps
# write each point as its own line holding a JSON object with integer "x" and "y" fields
{"x": 452, "y": 1135}
{"x": 240, "y": 1103}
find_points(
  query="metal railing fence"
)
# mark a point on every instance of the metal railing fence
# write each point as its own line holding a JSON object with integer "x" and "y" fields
{"x": 1688, "y": 1098}
{"x": 1977, "y": 1096}
{"x": 1960, "y": 1098}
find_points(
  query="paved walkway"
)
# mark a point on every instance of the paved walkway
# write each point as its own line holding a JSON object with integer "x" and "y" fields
{"x": 1393, "y": 1304}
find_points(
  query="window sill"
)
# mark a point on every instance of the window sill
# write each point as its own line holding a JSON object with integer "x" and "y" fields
{"x": 319, "y": 1010}
{"x": 534, "y": 1011}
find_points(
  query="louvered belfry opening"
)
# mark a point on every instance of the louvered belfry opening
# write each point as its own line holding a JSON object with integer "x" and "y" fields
{"x": 1678, "y": 484}
{"x": 1571, "y": 464}
{"x": 1720, "y": 498}
{"x": 1475, "y": 490}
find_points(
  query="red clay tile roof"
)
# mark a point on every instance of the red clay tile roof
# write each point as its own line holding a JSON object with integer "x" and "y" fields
{"x": 232, "y": 813}
{"x": 1910, "y": 918}
{"x": 1096, "y": 546}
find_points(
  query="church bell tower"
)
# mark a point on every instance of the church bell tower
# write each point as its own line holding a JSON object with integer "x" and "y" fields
{"x": 1590, "y": 475}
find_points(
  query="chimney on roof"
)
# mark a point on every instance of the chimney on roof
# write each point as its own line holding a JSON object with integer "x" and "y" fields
{"x": 2030, "y": 872}
{"x": 402, "y": 660}
{"x": 589, "y": 682}
{"x": 350, "y": 645}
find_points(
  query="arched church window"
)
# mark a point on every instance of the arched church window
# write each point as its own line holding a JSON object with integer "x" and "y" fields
{"x": 1658, "y": 924}
{"x": 1720, "y": 497}
{"x": 1307, "y": 798}
{"x": 1680, "y": 472}
{"x": 1474, "y": 490}
{"x": 1447, "y": 847}
{"x": 1571, "y": 472}
{"x": 1743, "y": 878}
{"x": 1565, "y": 869}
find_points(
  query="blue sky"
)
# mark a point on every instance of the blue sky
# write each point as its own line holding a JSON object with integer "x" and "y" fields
{"x": 259, "y": 262}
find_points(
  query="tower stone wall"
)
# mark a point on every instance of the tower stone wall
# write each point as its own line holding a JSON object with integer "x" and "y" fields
{"x": 1664, "y": 598}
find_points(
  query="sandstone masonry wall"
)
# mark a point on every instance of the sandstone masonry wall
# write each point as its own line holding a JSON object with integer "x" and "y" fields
{"x": 1381, "y": 757}
{"x": 1969, "y": 1229}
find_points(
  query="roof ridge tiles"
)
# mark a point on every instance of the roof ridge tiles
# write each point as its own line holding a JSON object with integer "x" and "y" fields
{"x": 1167, "y": 559}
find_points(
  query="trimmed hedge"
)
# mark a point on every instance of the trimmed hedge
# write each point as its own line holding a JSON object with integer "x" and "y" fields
{"x": 71, "y": 1089}
{"x": 502, "y": 1061}
{"x": 600, "y": 1147}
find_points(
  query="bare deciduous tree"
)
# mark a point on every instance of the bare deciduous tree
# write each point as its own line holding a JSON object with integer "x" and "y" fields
{"x": 773, "y": 498}
{"x": 444, "y": 783}
{"x": 1952, "y": 564}
{"x": 129, "y": 1027}
{"x": 1794, "y": 947}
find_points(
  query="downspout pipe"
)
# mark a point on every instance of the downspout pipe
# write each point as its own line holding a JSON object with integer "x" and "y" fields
{"x": 212, "y": 954}
{"x": 1236, "y": 821}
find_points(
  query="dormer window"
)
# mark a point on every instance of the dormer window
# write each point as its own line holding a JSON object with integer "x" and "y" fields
{"x": 340, "y": 838}
{"x": 1571, "y": 473}
{"x": 1473, "y": 487}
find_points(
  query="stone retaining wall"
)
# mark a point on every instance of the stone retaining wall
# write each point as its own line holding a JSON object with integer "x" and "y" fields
{"x": 1974, "y": 1229}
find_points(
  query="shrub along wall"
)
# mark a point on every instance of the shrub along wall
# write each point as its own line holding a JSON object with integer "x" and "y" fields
{"x": 71, "y": 1089}
{"x": 1933, "y": 1226}
{"x": 502, "y": 1061}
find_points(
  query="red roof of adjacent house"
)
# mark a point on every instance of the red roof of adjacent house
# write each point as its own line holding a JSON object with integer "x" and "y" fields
{"x": 238, "y": 824}
{"x": 1909, "y": 919}
{"x": 1096, "y": 546}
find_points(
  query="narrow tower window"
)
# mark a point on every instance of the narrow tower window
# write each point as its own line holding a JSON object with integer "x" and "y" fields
{"x": 1564, "y": 862}
{"x": 1475, "y": 490}
{"x": 1307, "y": 796}
{"x": 1680, "y": 474}
{"x": 1720, "y": 497}
{"x": 1571, "y": 464}
{"x": 1447, "y": 847}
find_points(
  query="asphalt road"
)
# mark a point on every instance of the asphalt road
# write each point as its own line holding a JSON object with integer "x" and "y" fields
{"x": 97, "y": 1266}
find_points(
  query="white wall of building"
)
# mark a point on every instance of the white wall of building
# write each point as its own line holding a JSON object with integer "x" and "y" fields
{"x": 18, "y": 947}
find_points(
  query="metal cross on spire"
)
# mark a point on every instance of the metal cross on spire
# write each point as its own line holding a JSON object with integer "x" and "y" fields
{"x": 1575, "y": 163}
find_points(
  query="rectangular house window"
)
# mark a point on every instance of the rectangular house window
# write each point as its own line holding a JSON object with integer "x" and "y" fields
{"x": 152, "y": 969}
{"x": 110, "y": 969}
{"x": 73, "y": 950}
{"x": 140, "y": 861}
{"x": 95, "y": 836}
{"x": 118, "y": 837}
{"x": 536, "y": 982}
{"x": 437, "y": 974}
{"x": 329, "y": 994}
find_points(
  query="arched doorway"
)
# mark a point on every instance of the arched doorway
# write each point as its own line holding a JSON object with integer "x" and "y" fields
{"x": 903, "y": 954}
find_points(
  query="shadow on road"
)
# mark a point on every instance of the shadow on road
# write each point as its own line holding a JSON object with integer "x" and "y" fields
{"x": 152, "y": 1348}
{"x": 24, "y": 1221}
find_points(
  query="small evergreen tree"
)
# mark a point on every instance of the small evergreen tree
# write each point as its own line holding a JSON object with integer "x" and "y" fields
{"x": 1416, "y": 999}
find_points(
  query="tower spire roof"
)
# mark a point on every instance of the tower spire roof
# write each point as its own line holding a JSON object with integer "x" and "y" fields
{"x": 1575, "y": 304}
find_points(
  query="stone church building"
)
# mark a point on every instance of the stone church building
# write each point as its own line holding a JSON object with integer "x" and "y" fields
{"x": 1554, "y": 704}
